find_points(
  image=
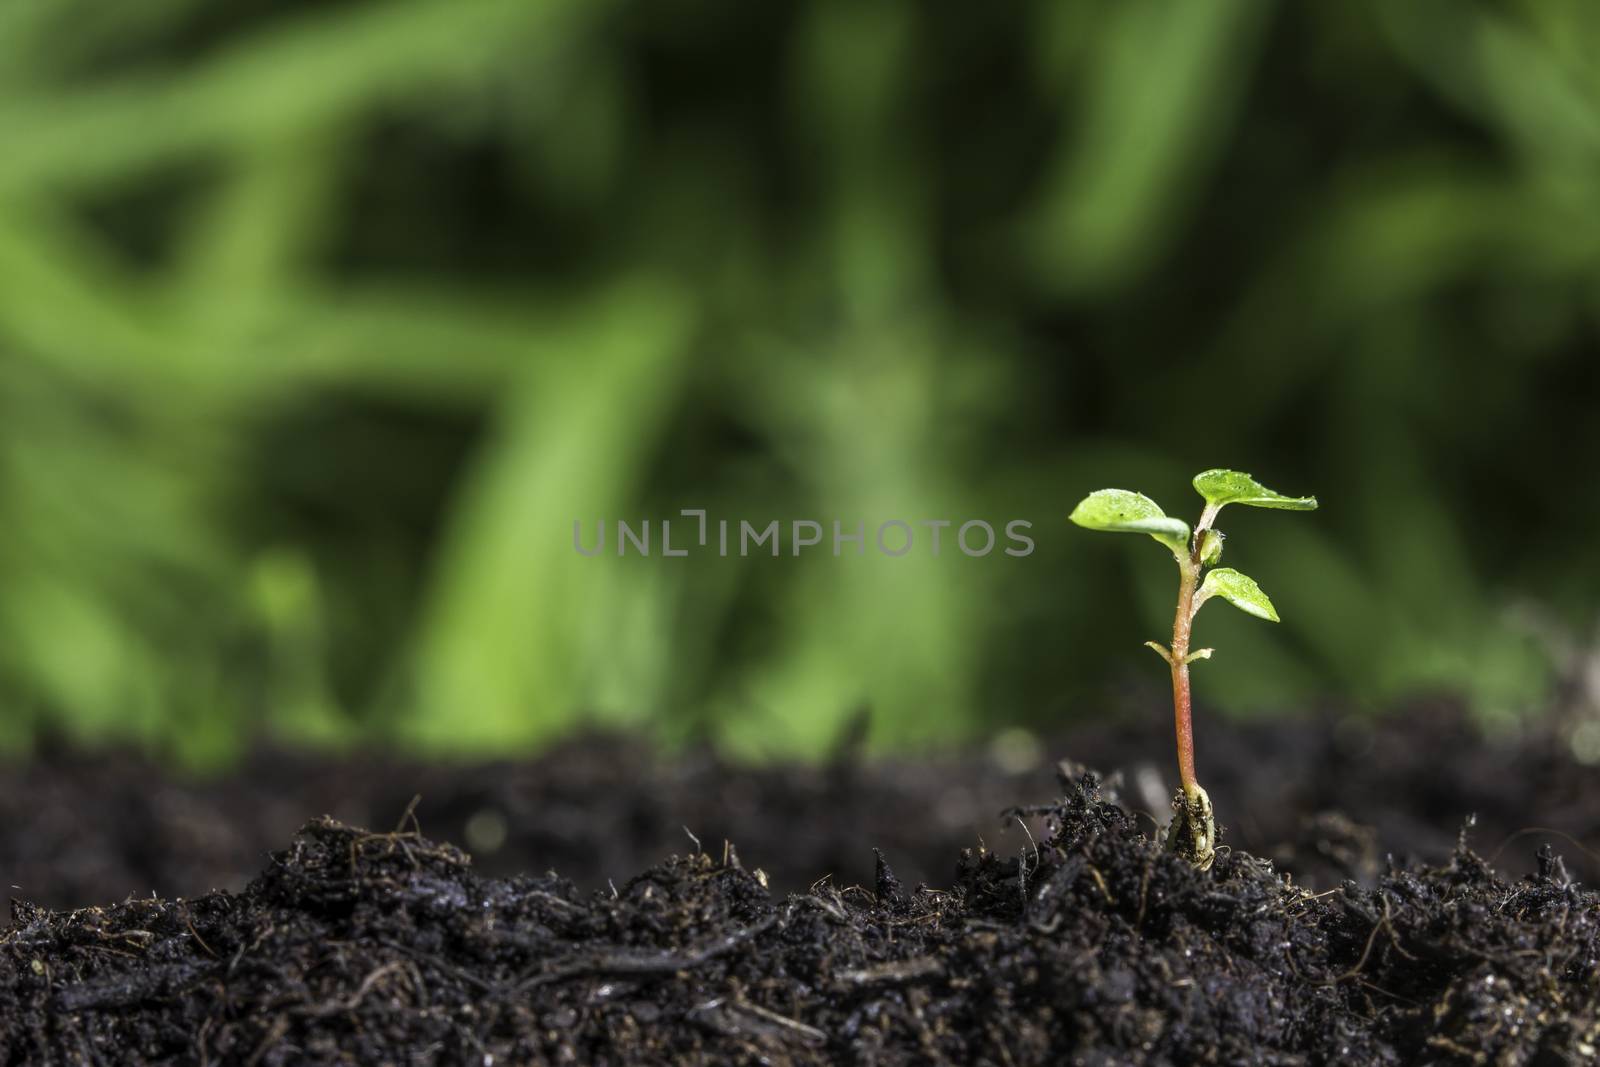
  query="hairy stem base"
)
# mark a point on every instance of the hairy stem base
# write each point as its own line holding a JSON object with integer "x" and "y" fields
{"x": 1193, "y": 833}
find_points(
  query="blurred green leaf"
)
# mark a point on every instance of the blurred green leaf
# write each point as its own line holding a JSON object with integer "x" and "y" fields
{"x": 311, "y": 71}
{"x": 1155, "y": 103}
{"x": 516, "y": 626}
{"x": 1537, "y": 89}
{"x": 318, "y": 324}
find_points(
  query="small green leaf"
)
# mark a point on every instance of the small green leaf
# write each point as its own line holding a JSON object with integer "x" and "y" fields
{"x": 1211, "y": 547}
{"x": 1238, "y": 589}
{"x": 1221, "y": 487}
{"x": 1120, "y": 511}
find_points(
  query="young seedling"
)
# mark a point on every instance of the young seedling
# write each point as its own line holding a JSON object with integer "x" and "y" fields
{"x": 1193, "y": 832}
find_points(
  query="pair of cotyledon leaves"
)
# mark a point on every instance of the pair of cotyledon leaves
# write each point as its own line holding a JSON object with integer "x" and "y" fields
{"x": 1122, "y": 511}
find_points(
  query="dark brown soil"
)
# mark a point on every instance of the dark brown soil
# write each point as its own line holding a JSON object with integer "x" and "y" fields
{"x": 1324, "y": 798}
{"x": 1095, "y": 947}
{"x": 1069, "y": 938}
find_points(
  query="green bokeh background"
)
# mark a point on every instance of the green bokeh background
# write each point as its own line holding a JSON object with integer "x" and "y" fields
{"x": 321, "y": 323}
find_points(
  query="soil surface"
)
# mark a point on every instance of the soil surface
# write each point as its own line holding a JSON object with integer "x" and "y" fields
{"x": 1095, "y": 946}
{"x": 1324, "y": 798}
{"x": 1349, "y": 917}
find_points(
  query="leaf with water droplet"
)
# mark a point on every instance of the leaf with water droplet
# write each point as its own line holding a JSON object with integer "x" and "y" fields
{"x": 1221, "y": 487}
{"x": 1122, "y": 511}
{"x": 1238, "y": 589}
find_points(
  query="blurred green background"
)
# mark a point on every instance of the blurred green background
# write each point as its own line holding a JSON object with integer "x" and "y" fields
{"x": 321, "y": 323}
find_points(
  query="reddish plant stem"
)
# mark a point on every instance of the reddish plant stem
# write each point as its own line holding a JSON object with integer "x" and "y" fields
{"x": 1181, "y": 705}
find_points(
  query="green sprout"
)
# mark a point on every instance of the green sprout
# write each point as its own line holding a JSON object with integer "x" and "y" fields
{"x": 1193, "y": 832}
